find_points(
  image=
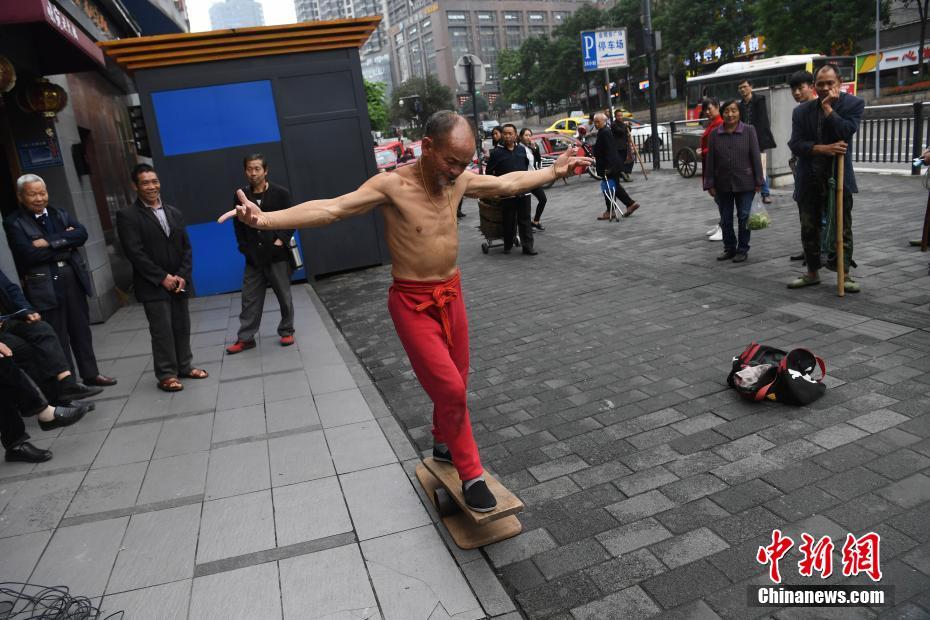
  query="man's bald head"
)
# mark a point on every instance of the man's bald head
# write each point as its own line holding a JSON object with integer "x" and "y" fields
{"x": 448, "y": 146}
{"x": 440, "y": 126}
{"x": 600, "y": 119}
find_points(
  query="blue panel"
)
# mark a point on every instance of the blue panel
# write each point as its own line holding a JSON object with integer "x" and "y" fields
{"x": 218, "y": 265}
{"x": 192, "y": 120}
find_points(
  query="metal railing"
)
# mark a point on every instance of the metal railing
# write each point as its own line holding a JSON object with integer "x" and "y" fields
{"x": 891, "y": 134}
{"x": 643, "y": 142}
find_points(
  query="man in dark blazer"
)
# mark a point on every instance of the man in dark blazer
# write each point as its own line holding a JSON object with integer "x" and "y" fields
{"x": 266, "y": 259}
{"x": 45, "y": 241}
{"x": 820, "y": 130}
{"x": 156, "y": 243}
{"x": 753, "y": 111}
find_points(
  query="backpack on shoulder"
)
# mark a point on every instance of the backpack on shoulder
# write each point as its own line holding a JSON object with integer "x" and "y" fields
{"x": 762, "y": 372}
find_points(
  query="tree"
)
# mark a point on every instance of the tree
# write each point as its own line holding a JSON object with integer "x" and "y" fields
{"x": 415, "y": 100}
{"x": 821, "y": 26}
{"x": 688, "y": 27}
{"x": 466, "y": 108}
{"x": 377, "y": 109}
{"x": 922, "y": 6}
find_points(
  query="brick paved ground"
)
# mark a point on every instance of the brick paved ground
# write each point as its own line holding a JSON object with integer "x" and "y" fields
{"x": 598, "y": 395}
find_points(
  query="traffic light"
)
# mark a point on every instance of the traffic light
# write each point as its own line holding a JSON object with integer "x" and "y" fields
{"x": 139, "y": 133}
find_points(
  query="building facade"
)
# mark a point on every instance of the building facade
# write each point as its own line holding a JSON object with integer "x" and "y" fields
{"x": 85, "y": 150}
{"x": 236, "y": 14}
{"x": 428, "y": 37}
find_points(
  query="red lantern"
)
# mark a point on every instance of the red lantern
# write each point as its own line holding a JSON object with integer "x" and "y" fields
{"x": 43, "y": 97}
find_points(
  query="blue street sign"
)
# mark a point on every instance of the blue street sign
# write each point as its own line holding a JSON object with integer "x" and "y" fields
{"x": 604, "y": 49}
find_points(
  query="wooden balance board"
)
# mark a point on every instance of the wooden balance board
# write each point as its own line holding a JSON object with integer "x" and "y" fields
{"x": 469, "y": 529}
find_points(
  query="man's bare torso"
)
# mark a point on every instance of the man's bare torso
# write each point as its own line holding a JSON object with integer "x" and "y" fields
{"x": 422, "y": 234}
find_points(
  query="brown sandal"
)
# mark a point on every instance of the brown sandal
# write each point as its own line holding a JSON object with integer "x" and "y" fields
{"x": 195, "y": 373}
{"x": 171, "y": 384}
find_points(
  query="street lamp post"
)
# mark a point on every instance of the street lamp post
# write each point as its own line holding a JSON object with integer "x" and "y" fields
{"x": 651, "y": 59}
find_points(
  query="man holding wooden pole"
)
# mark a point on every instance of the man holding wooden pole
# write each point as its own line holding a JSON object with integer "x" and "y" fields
{"x": 820, "y": 133}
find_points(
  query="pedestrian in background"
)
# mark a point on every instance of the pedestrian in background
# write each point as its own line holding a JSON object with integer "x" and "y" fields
{"x": 526, "y": 139}
{"x": 266, "y": 255}
{"x": 710, "y": 109}
{"x": 609, "y": 166}
{"x": 44, "y": 241}
{"x": 820, "y": 131}
{"x": 733, "y": 176}
{"x": 753, "y": 111}
{"x": 507, "y": 157}
{"x": 156, "y": 243}
{"x": 621, "y": 133}
{"x": 802, "y": 89}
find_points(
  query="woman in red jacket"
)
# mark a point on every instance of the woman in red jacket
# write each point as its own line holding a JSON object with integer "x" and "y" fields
{"x": 710, "y": 109}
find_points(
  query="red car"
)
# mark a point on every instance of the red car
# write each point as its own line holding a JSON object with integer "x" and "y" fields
{"x": 551, "y": 145}
{"x": 386, "y": 158}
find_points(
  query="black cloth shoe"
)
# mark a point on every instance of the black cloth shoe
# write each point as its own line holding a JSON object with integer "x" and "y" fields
{"x": 74, "y": 391}
{"x": 530, "y": 251}
{"x": 537, "y": 226}
{"x": 443, "y": 456}
{"x": 88, "y": 404}
{"x": 726, "y": 255}
{"x": 740, "y": 257}
{"x": 797, "y": 256}
{"x": 27, "y": 453}
{"x": 64, "y": 416}
{"x": 478, "y": 497}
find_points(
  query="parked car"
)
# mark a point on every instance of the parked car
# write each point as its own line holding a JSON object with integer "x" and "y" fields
{"x": 411, "y": 153}
{"x": 486, "y": 127}
{"x": 552, "y": 145}
{"x": 386, "y": 158}
{"x": 642, "y": 135}
{"x": 566, "y": 126}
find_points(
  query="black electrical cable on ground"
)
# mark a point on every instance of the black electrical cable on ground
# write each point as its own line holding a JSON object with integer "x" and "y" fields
{"x": 26, "y": 601}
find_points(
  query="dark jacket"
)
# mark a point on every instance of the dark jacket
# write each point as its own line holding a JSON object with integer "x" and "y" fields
{"x": 733, "y": 162}
{"x": 11, "y": 296}
{"x": 37, "y": 266}
{"x": 757, "y": 115}
{"x": 152, "y": 254}
{"x": 621, "y": 136}
{"x": 841, "y": 125}
{"x": 258, "y": 245}
{"x": 606, "y": 158}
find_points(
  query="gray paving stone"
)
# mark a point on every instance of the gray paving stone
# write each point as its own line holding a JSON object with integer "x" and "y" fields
{"x": 646, "y": 480}
{"x": 630, "y": 604}
{"x": 286, "y": 386}
{"x": 329, "y": 582}
{"x": 743, "y": 447}
{"x": 629, "y": 569}
{"x": 852, "y": 483}
{"x": 745, "y": 525}
{"x": 836, "y": 436}
{"x": 899, "y": 464}
{"x": 691, "y": 515}
{"x": 570, "y": 558}
{"x": 246, "y": 593}
{"x": 876, "y": 421}
{"x": 344, "y": 407}
{"x": 640, "y": 506}
{"x": 129, "y": 444}
{"x": 81, "y": 556}
{"x": 330, "y": 378}
{"x": 72, "y": 450}
{"x": 240, "y": 393}
{"x": 39, "y": 505}
{"x": 158, "y": 548}
{"x": 558, "y": 467}
{"x": 310, "y": 511}
{"x": 235, "y": 526}
{"x": 689, "y": 547}
{"x": 282, "y": 415}
{"x": 692, "y": 488}
{"x": 19, "y": 554}
{"x": 165, "y": 602}
{"x": 358, "y": 446}
{"x": 238, "y": 423}
{"x": 299, "y": 457}
{"x": 487, "y": 588}
{"x": 184, "y": 436}
{"x": 631, "y": 536}
{"x": 382, "y": 501}
{"x": 684, "y": 584}
{"x": 238, "y": 469}
{"x": 174, "y": 477}
{"x": 522, "y": 547}
{"x": 108, "y": 489}
{"x": 799, "y": 503}
{"x": 908, "y": 493}
{"x": 548, "y": 491}
{"x": 412, "y": 573}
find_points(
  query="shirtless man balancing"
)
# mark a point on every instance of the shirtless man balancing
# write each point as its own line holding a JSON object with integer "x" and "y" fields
{"x": 419, "y": 207}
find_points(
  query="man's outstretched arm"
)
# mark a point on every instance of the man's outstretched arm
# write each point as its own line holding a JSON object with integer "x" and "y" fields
{"x": 313, "y": 213}
{"x": 515, "y": 183}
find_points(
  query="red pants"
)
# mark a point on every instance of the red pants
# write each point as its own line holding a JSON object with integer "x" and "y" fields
{"x": 432, "y": 325}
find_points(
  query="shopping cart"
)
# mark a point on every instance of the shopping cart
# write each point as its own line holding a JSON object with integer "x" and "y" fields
{"x": 491, "y": 224}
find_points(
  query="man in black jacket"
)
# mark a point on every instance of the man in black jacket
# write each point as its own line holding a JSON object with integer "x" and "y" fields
{"x": 610, "y": 166}
{"x": 266, "y": 259}
{"x": 752, "y": 111}
{"x": 45, "y": 241}
{"x": 506, "y": 157}
{"x": 156, "y": 243}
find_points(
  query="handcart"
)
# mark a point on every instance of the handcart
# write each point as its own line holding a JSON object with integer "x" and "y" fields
{"x": 685, "y": 145}
{"x": 491, "y": 224}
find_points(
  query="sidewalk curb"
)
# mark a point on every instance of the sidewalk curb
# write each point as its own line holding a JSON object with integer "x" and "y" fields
{"x": 475, "y": 567}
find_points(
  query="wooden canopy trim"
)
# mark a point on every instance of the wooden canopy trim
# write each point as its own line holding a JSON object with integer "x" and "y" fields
{"x": 187, "y": 48}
